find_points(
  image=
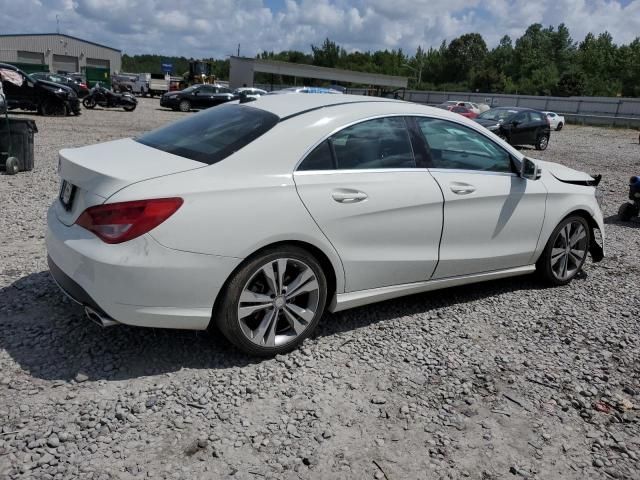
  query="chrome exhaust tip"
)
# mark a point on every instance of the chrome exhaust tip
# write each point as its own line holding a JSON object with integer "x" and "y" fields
{"x": 101, "y": 320}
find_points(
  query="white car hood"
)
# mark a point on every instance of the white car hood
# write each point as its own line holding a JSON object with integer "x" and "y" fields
{"x": 563, "y": 173}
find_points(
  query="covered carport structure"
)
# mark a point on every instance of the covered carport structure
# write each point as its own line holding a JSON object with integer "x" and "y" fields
{"x": 242, "y": 70}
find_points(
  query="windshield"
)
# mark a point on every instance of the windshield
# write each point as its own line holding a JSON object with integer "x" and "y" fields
{"x": 497, "y": 114}
{"x": 213, "y": 134}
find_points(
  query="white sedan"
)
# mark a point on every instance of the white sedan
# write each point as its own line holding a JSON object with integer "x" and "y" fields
{"x": 259, "y": 217}
{"x": 555, "y": 121}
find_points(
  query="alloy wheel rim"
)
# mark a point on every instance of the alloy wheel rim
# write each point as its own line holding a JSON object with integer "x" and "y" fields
{"x": 569, "y": 250}
{"x": 543, "y": 142}
{"x": 279, "y": 302}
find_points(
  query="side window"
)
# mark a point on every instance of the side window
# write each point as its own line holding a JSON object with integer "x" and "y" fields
{"x": 521, "y": 118}
{"x": 379, "y": 143}
{"x": 454, "y": 146}
{"x": 535, "y": 117}
{"x": 320, "y": 158}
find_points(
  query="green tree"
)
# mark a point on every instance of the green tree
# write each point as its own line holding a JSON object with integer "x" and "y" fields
{"x": 326, "y": 55}
{"x": 463, "y": 53}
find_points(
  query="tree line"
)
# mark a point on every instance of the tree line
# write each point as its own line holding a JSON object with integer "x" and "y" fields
{"x": 543, "y": 61}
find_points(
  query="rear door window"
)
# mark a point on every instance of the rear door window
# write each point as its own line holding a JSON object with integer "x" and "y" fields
{"x": 379, "y": 143}
{"x": 373, "y": 144}
{"x": 213, "y": 134}
{"x": 536, "y": 117}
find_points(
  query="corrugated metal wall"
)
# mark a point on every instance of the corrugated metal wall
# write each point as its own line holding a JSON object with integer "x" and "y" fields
{"x": 50, "y": 45}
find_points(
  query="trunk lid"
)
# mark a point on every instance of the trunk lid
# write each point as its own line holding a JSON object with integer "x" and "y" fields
{"x": 98, "y": 171}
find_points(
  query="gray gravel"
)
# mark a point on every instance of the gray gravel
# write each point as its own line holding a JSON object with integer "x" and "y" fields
{"x": 507, "y": 379}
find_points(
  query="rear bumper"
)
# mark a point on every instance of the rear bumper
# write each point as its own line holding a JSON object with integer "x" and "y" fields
{"x": 71, "y": 289}
{"x": 139, "y": 282}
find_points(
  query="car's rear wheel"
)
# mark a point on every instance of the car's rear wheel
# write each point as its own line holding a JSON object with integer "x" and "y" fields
{"x": 566, "y": 251}
{"x": 542, "y": 142}
{"x": 273, "y": 302}
{"x": 185, "y": 106}
{"x": 559, "y": 127}
{"x": 129, "y": 108}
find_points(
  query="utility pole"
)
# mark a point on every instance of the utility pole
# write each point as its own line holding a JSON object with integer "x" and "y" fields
{"x": 238, "y": 49}
{"x": 57, "y": 23}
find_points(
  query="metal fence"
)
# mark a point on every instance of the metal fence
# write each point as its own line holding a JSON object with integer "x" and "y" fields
{"x": 611, "y": 111}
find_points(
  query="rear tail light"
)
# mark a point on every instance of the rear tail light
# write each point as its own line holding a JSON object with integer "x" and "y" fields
{"x": 83, "y": 85}
{"x": 120, "y": 222}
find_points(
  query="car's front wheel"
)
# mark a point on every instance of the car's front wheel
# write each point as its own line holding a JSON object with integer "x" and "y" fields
{"x": 184, "y": 106}
{"x": 53, "y": 108}
{"x": 566, "y": 251}
{"x": 273, "y": 302}
{"x": 559, "y": 127}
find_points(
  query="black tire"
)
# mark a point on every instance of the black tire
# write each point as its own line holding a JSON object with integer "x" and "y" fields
{"x": 542, "y": 142}
{"x": 627, "y": 211}
{"x": 53, "y": 108}
{"x": 226, "y": 316}
{"x": 184, "y": 106}
{"x": 12, "y": 166}
{"x": 559, "y": 127}
{"x": 544, "y": 265}
{"x": 89, "y": 102}
{"x": 129, "y": 108}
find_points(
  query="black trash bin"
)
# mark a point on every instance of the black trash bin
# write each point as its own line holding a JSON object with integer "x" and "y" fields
{"x": 16, "y": 140}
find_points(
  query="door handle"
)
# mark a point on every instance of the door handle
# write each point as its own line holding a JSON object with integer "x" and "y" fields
{"x": 462, "y": 188}
{"x": 349, "y": 196}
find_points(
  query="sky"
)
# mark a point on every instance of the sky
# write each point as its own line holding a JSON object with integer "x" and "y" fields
{"x": 214, "y": 28}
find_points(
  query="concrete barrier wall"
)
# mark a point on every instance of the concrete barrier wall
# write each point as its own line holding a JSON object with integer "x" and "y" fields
{"x": 612, "y": 111}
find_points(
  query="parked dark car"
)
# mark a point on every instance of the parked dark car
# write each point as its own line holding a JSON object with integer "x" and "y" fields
{"x": 518, "y": 126}
{"x": 78, "y": 86}
{"x": 196, "y": 97}
{"x": 47, "y": 98}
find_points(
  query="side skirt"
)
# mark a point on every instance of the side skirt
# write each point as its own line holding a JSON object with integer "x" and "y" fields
{"x": 344, "y": 301}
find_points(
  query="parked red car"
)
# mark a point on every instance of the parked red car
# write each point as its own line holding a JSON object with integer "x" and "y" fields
{"x": 464, "y": 111}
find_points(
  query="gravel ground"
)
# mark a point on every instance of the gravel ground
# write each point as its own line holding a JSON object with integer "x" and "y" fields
{"x": 507, "y": 379}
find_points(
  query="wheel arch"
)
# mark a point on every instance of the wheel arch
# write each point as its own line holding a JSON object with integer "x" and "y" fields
{"x": 327, "y": 267}
{"x": 596, "y": 250}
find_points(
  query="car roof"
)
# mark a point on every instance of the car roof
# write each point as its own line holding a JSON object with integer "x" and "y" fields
{"x": 10, "y": 67}
{"x": 295, "y": 104}
{"x": 515, "y": 109}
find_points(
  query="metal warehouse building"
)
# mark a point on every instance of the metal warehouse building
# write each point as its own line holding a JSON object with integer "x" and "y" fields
{"x": 61, "y": 53}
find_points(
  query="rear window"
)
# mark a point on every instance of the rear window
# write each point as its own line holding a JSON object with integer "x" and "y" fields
{"x": 213, "y": 134}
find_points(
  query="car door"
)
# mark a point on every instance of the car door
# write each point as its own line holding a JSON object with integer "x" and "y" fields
{"x": 222, "y": 95}
{"x": 200, "y": 97}
{"x": 518, "y": 129}
{"x": 492, "y": 216}
{"x": 380, "y": 211}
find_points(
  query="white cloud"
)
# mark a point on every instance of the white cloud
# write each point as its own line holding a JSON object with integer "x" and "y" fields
{"x": 205, "y": 28}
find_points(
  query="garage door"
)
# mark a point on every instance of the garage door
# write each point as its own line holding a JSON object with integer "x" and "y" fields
{"x": 30, "y": 57}
{"x": 96, "y": 62}
{"x": 65, "y": 64}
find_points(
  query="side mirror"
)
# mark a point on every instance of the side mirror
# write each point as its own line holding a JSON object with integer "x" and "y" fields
{"x": 529, "y": 170}
{"x": 515, "y": 123}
